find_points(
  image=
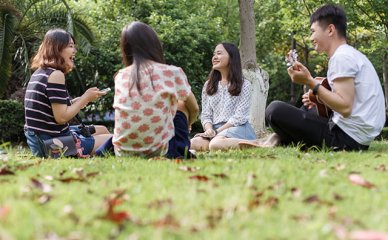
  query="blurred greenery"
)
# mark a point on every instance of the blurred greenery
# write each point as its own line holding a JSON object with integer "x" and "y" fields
{"x": 189, "y": 31}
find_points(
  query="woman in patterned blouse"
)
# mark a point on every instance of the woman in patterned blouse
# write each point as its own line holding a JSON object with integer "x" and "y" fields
{"x": 153, "y": 102}
{"x": 226, "y": 99}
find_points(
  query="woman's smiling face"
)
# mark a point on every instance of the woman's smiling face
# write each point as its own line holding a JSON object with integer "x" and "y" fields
{"x": 68, "y": 54}
{"x": 220, "y": 58}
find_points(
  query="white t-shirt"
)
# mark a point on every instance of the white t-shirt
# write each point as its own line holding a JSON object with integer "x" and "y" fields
{"x": 368, "y": 113}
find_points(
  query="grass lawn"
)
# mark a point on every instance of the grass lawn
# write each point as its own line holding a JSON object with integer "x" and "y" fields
{"x": 280, "y": 193}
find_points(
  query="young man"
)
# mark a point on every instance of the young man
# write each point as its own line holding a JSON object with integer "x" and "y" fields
{"x": 356, "y": 96}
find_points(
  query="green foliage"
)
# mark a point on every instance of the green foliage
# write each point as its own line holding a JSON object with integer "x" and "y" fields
{"x": 278, "y": 21}
{"x": 23, "y": 26}
{"x": 8, "y": 19}
{"x": 189, "y": 31}
{"x": 11, "y": 121}
{"x": 187, "y": 36}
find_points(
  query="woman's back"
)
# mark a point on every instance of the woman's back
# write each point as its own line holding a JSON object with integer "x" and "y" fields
{"x": 144, "y": 119}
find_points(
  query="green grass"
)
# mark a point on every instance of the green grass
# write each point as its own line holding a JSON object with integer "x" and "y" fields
{"x": 250, "y": 194}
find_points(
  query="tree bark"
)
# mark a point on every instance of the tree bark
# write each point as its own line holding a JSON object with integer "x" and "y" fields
{"x": 251, "y": 71}
{"x": 385, "y": 79}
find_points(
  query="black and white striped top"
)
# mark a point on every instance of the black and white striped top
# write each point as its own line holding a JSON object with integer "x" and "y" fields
{"x": 39, "y": 96}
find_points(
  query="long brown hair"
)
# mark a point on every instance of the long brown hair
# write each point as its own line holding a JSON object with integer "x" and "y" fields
{"x": 139, "y": 44}
{"x": 234, "y": 75}
{"x": 48, "y": 54}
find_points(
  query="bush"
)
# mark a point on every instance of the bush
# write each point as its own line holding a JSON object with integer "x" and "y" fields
{"x": 11, "y": 121}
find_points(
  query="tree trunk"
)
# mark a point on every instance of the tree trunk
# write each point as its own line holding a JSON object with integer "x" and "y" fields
{"x": 258, "y": 77}
{"x": 385, "y": 79}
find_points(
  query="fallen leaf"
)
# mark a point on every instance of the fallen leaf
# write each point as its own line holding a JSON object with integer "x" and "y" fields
{"x": 189, "y": 169}
{"x": 296, "y": 192}
{"x": 82, "y": 177}
{"x": 368, "y": 235}
{"x": 111, "y": 214}
{"x": 337, "y": 197}
{"x": 92, "y": 174}
{"x": 357, "y": 179}
{"x": 4, "y": 212}
{"x": 380, "y": 168}
{"x": 270, "y": 155}
{"x": 214, "y": 217}
{"x": 199, "y": 178}
{"x": 5, "y": 171}
{"x": 220, "y": 175}
{"x": 339, "y": 167}
{"x": 301, "y": 218}
{"x": 178, "y": 160}
{"x": 256, "y": 201}
{"x": 312, "y": 199}
{"x": 340, "y": 232}
{"x": 71, "y": 179}
{"x": 49, "y": 178}
{"x": 276, "y": 186}
{"x": 41, "y": 186}
{"x": 158, "y": 159}
{"x": 250, "y": 178}
{"x": 44, "y": 198}
{"x": 160, "y": 203}
{"x": 271, "y": 201}
{"x": 24, "y": 166}
{"x": 167, "y": 221}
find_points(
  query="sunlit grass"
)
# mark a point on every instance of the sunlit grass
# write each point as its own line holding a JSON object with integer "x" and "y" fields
{"x": 280, "y": 193}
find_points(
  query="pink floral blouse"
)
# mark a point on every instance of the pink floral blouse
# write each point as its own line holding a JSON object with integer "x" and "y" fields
{"x": 144, "y": 122}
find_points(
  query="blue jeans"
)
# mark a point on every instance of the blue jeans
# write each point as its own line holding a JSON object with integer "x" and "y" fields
{"x": 35, "y": 142}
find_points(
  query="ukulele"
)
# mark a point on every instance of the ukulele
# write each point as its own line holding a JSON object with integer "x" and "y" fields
{"x": 322, "y": 109}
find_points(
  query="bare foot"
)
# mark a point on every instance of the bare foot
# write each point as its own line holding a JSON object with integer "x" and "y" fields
{"x": 270, "y": 141}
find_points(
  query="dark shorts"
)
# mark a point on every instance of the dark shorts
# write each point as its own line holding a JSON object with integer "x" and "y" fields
{"x": 179, "y": 145}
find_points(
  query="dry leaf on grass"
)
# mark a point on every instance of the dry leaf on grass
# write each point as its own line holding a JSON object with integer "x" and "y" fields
{"x": 381, "y": 168}
{"x": 189, "y": 169}
{"x": 220, "y": 175}
{"x": 4, "y": 170}
{"x": 40, "y": 185}
{"x": 159, "y": 203}
{"x": 357, "y": 179}
{"x": 368, "y": 235}
{"x": 118, "y": 217}
{"x": 168, "y": 221}
{"x": 81, "y": 176}
{"x": 200, "y": 178}
{"x": 4, "y": 212}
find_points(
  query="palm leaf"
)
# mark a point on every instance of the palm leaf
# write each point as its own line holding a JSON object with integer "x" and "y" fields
{"x": 7, "y": 23}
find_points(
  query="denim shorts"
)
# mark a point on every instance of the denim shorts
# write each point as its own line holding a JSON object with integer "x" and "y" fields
{"x": 244, "y": 131}
{"x": 34, "y": 141}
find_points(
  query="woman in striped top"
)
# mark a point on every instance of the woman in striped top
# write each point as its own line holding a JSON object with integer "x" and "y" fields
{"x": 48, "y": 105}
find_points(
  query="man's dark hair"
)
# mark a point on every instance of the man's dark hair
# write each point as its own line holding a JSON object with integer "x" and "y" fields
{"x": 331, "y": 14}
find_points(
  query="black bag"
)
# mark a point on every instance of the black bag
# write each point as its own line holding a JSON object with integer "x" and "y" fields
{"x": 60, "y": 146}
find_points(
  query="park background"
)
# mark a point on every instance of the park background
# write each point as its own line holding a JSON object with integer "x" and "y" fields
{"x": 279, "y": 193}
{"x": 189, "y": 30}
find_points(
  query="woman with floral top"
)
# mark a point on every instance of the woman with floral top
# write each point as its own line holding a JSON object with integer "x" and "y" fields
{"x": 154, "y": 105}
{"x": 226, "y": 99}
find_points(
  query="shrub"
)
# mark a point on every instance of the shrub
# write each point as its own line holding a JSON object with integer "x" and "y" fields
{"x": 11, "y": 121}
